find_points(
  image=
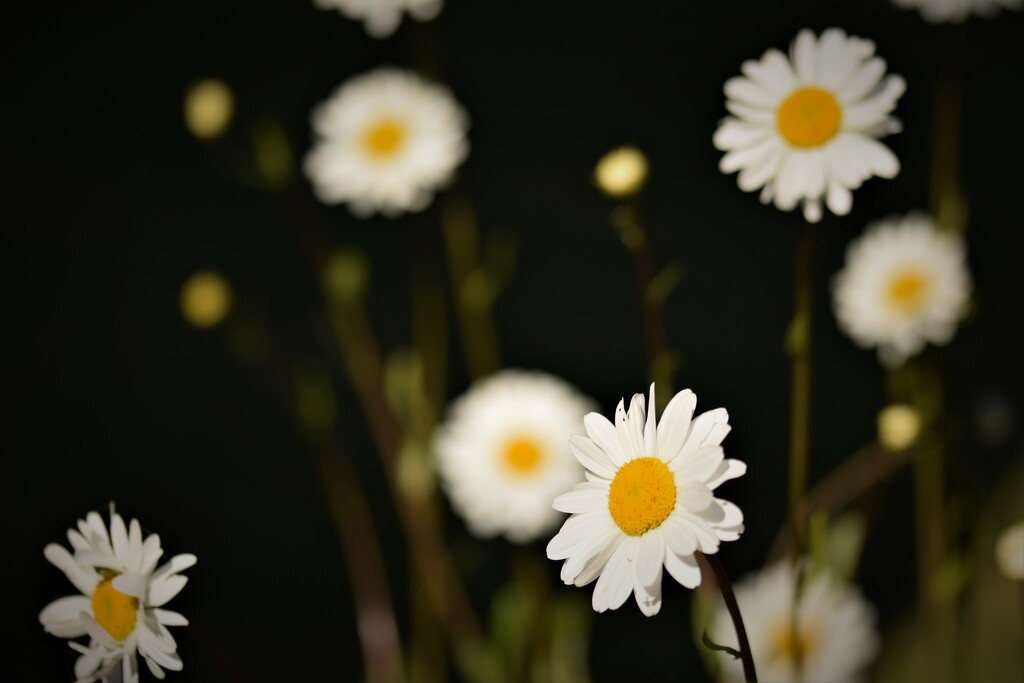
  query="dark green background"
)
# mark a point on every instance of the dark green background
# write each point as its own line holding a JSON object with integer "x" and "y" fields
{"x": 111, "y": 205}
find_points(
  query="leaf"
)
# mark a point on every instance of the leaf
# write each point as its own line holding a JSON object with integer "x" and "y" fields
{"x": 711, "y": 645}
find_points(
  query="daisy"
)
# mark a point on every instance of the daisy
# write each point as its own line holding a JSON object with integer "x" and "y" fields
{"x": 804, "y": 129}
{"x": 381, "y": 17}
{"x": 502, "y": 452}
{"x": 387, "y": 140}
{"x": 119, "y": 607}
{"x": 647, "y": 502}
{"x": 835, "y": 635}
{"x": 957, "y": 11}
{"x": 905, "y": 284}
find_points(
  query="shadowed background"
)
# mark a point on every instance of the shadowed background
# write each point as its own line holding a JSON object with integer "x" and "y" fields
{"x": 110, "y": 395}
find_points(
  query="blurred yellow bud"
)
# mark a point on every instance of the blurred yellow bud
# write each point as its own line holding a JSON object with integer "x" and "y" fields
{"x": 209, "y": 105}
{"x": 898, "y": 427}
{"x": 622, "y": 172}
{"x": 205, "y": 299}
{"x": 346, "y": 274}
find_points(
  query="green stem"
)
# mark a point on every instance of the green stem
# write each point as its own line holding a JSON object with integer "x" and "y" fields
{"x": 799, "y": 343}
{"x": 725, "y": 586}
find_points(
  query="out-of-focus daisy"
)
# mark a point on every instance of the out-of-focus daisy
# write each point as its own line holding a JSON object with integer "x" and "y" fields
{"x": 957, "y": 11}
{"x": 647, "y": 503}
{"x": 120, "y": 600}
{"x": 381, "y": 17}
{"x": 1010, "y": 551}
{"x": 503, "y": 452}
{"x": 386, "y": 141}
{"x": 905, "y": 284}
{"x": 805, "y": 128}
{"x": 835, "y": 638}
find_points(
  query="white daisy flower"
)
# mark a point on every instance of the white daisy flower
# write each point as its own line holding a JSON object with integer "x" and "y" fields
{"x": 503, "y": 452}
{"x": 957, "y": 11}
{"x": 804, "y": 128}
{"x": 905, "y": 284}
{"x": 835, "y": 635}
{"x": 647, "y": 502}
{"x": 387, "y": 140}
{"x": 119, "y": 607}
{"x": 381, "y": 17}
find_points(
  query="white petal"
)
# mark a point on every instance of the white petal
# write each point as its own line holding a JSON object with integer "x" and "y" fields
{"x": 61, "y": 617}
{"x": 773, "y": 73}
{"x": 119, "y": 537}
{"x": 648, "y": 597}
{"x": 698, "y": 466}
{"x": 591, "y": 456}
{"x": 164, "y": 588}
{"x": 170, "y": 618}
{"x": 84, "y": 579}
{"x": 750, "y": 93}
{"x": 679, "y": 536}
{"x": 651, "y": 429}
{"x": 694, "y": 496}
{"x": 683, "y": 569}
{"x": 839, "y": 199}
{"x": 133, "y": 551}
{"x": 593, "y": 498}
{"x": 87, "y": 664}
{"x": 805, "y": 56}
{"x": 675, "y": 424}
{"x": 151, "y": 646}
{"x": 649, "y": 557}
{"x": 97, "y": 632}
{"x": 130, "y": 584}
{"x": 174, "y": 565}
{"x": 603, "y": 434}
{"x": 616, "y": 581}
{"x": 728, "y": 469}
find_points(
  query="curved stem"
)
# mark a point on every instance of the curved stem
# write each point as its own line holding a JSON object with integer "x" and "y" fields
{"x": 725, "y": 586}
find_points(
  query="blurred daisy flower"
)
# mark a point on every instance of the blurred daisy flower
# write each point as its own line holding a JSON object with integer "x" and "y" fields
{"x": 647, "y": 503}
{"x": 503, "y": 455}
{"x": 905, "y": 284}
{"x": 1010, "y": 551}
{"x": 805, "y": 128}
{"x": 121, "y": 593}
{"x": 835, "y": 638}
{"x": 386, "y": 141}
{"x": 381, "y": 17}
{"x": 957, "y": 11}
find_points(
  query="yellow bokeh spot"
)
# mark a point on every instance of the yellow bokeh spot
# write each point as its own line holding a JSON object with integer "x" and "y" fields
{"x": 790, "y": 646}
{"x": 113, "y": 610}
{"x": 523, "y": 455}
{"x": 205, "y": 299}
{"x": 384, "y": 139}
{"x": 642, "y": 495}
{"x": 622, "y": 172}
{"x": 209, "y": 106}
{"x": 898, "y": 427}
{"x": 809, "y": 117}
{"x": 908, "y": 291}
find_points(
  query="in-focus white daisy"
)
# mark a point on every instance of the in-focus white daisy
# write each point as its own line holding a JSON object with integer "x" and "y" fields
{"x": 647, "y": 503}
{"x": 381, "y": 17}
{"x": 805, "y": 128}
{"x": 386, "y": 141}
{"x": 905, "y": 284}
{"x": 503, "y": 453}
{"x": 957, "y": 11}
{"x": 835, "y": 638}
{"x": 120, "y": 600}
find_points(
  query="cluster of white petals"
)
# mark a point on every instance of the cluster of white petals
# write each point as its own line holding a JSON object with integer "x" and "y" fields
{"x": 120, "y": 601}
{"x": 381, "y": 17}
{"x": 957, "y": 11}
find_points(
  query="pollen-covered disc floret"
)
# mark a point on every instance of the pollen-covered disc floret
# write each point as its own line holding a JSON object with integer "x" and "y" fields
{"x": 502, "y": 452}
{"x": 386, "y": 141}
{"x": 120, "y": 600}
{"x": 905, "y": 284}
{"x": 835, "y": 637}
{"x": 804, "y": 128}
{"x": 381, "y": 17}
{"x": 647, "y": 502}
{"x": 957, "y": 11}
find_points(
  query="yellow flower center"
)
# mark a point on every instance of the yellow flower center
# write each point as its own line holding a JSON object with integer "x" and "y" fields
{"x": 908, "y": 290}
{"x": 523, "y": 455}
{"x": 113, "y": 610}
{"x": 792, "y": 647}
{"x": 809, "y": 117}
{"x": 384, "y": 138}
{"x": 642, "y": 495}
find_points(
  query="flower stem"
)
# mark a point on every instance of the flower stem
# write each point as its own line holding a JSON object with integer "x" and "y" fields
{"x": 725, "y": 586}
{"x": 799, "y": 347}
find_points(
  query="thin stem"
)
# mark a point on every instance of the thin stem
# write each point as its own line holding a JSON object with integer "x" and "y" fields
{"x": 725, "y": 586}
{"x": 799, "y": 344}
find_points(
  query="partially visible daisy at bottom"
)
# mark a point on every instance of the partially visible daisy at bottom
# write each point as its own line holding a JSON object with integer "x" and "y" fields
{"x": 503, "y": 454}
{"x": 957, "y": 11}
{"x": 381, "y": 17}
{"x": 647, "y": 502}
{"x": 905, "y": 284}
{"x": 120, "y": 600}
{"x": 835, "y": 639}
